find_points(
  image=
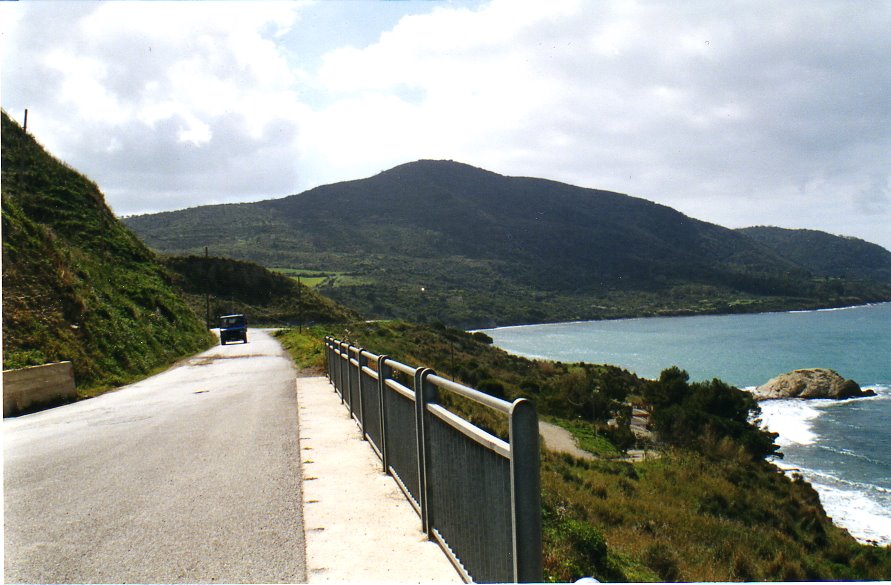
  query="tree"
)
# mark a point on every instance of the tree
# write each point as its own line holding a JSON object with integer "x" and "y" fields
{"x": 701, "y": 414}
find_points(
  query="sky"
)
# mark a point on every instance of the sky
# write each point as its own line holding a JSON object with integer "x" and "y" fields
{"x": 739, "y": 113}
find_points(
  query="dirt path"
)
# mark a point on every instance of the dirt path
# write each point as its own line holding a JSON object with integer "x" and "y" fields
{"x": 560, "y": 440}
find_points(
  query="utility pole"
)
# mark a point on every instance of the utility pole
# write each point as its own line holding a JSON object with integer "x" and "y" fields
{"x": 299, "y": 307}
{"x": 25, "y": 127}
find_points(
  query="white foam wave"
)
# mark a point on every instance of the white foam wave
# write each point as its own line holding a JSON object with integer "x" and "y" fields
{"x": 831, "y": 309}
{"x": 791, "y": 419}
{"x": 824, "y": 478}
{"x": 882, "y": 391}
{"x": 861, "y": 508}
{"x": 865, "y": 518}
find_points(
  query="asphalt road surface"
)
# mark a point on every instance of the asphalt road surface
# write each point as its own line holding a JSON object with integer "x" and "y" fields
{"x": 190, "y": 476}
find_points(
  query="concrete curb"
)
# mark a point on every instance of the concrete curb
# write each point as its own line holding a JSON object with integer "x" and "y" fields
{"x": 359, "y": 526}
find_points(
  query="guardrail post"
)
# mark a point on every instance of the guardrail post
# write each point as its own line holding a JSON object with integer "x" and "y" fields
{"x": 345, "y": 373}
{"x": 329, "y": 347}
{"x": 335, "y": 363}
{"x": 331, "y": 361}
{"x": 362, "y": 360}
{"x": 425, "y": 393}
{"x": 339, "y": 372}
{"x": 335, "y": 353}
{"x": 525, "y": 492}
{"x": 384, "y": 373}
{"x": 420, "y": 407}
{"x": 353, "y": 407}
{"x": 326, "y": 359}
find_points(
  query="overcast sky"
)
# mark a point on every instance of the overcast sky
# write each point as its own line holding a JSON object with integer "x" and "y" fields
{"x": 738, "y": 113}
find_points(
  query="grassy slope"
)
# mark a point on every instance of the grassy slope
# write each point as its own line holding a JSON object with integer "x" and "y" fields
{"x": 712, "y": 514}
{"x": 77, "y": 285}
{"x": 267, "y": 298}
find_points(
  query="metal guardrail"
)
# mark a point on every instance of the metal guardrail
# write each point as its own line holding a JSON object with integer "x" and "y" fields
{"x": 478, "y": 496}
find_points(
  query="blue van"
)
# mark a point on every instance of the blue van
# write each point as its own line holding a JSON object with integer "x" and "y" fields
{"x": 233, "y": 328}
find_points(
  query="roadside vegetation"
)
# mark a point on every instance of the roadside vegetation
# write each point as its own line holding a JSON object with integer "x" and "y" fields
{"x": 77, "y": 284}
{"x": 221, "y": 286}
{"x": 709, "y": 506}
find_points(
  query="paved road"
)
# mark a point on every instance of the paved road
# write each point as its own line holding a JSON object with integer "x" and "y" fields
{"x": 190, "y": 476}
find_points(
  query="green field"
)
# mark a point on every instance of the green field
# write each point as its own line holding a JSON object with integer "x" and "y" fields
{"x": 318, "y": 279}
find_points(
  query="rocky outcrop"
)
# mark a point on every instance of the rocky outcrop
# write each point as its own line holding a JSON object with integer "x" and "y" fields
{"x": 811, "y": 383}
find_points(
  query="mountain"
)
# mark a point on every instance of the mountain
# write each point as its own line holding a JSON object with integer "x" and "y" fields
{"x": 444, "y": 240}
{"x": 825, "y": 254}
{"x": 77, "y": 284}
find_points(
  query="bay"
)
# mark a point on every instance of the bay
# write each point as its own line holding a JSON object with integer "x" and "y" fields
{"x": 842, "y": 447}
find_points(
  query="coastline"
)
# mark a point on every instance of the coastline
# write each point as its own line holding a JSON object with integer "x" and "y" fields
{"x": 860, "y": 508}
{"x": 679, "y": 316}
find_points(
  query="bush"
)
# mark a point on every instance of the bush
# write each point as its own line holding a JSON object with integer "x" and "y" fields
{"x": 702, "y": 415}
{"x": 587, "y": 540}
{"x": 492, "y": 388}
{"x": 663, "y": 560}
{"x": 483, "y": 338}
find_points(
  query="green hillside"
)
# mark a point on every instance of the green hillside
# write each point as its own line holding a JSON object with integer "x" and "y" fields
{"x": 77, "y": 284}
{"x": 447, "y": 241}
{"x": 222, "y": 286}
{"x": 825, "y": 254}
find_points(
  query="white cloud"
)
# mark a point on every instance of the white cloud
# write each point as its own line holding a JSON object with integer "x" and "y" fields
{"x": 720, "y": 115}
{"x": 84, "y": 87}
{"x": 119, "y": 76}
{"x": 740, "y": 113}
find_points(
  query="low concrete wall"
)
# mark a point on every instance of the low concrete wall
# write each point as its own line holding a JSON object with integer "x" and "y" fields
{"x": 31, "y": 388}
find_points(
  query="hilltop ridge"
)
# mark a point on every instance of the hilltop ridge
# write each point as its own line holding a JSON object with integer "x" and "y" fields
{"x": 449, "y": 241}
{"x": 826, "y": 254}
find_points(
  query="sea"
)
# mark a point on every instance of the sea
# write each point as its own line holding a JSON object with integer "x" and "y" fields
{"x": 842, "y": 447}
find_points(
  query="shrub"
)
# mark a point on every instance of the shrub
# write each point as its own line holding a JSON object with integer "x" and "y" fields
{"x": 663, "y": 560}
{"x": 483, "y": 338}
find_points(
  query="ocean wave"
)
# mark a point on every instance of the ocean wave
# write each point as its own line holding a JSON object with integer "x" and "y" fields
{"x": 865, "y": 518}
{"x": 792, "y": 420}
{"x": 830, "y": 309}
{"x": 825, "y": 478}
{"x": 864, "y": 510}
{"x": 882, "y": 391}
{"x": 850, "y": 453}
